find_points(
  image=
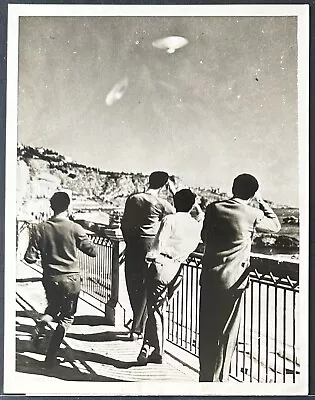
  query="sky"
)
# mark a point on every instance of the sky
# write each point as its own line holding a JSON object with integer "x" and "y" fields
{"x": 224, "y": 104}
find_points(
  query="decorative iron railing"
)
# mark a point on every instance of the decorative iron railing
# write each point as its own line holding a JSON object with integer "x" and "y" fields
{"x": 97, "y": 272}
{"x": 268, "y": 346}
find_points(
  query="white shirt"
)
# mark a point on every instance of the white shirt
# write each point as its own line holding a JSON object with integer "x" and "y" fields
{"x": 178, "y": 236}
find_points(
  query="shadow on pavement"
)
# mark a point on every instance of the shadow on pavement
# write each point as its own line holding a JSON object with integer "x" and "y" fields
{"x": 28, "y": 314}
{"x": 92, "y": 320}
{"x": 28, "y": 280}
{"x": 30, "y": 366}
{"x": 99, "y": 358}
{"x": 101, "y": 336}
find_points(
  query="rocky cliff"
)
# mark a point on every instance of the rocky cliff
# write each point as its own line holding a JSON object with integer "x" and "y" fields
{"x": 42, "y": 171}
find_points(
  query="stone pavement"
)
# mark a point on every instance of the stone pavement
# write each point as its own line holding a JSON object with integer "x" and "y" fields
{"x": 91, "y": 352}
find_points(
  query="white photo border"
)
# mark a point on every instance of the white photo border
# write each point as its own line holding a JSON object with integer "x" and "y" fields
{"x": 11, "y": 385}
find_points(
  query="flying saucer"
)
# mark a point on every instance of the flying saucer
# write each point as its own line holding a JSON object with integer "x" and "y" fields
{"x": 117, "y": 92}
{"x": 170, "y": 43}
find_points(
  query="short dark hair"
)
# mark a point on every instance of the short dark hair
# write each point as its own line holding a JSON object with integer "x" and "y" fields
{"x": 158, "y": 179}
{"x": 60, "y": 202}
{"x": 184, "y": 200}
{"x": 245, "y": 186}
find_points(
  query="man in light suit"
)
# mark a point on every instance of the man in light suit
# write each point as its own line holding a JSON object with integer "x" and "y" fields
{"x": 227, "y": 232}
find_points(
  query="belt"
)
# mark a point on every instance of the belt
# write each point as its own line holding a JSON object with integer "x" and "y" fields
{"x": 167, "y": 256}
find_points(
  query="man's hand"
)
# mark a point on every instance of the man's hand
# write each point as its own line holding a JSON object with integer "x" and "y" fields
{"x": 196, "y": 211}
{"x": 171, "y": 186}
{"x": 150, "y": 257}
{"x": 258, "y": 197}
{"x": 263, "y": 205}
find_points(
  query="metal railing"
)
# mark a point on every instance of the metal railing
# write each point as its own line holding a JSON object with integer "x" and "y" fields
{"x": 267, "y": 349}
{"x": 97, "y": 272}
{"x": 268, "y": 345}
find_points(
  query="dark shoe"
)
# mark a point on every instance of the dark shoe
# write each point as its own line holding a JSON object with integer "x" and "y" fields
{"x": 50, "y": 363}
{"x": 135, "y": 336}
{"x": 54, "y": 344}
{"x": 155, "y": 358}
{"x": 143, "y": 356}
{"x": 38, "y": 335}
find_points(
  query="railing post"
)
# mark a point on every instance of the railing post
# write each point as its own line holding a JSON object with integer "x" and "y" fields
{"x": 115, "y": 308}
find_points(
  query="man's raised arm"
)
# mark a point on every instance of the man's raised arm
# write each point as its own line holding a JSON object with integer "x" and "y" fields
{"x": 268, "y": 221}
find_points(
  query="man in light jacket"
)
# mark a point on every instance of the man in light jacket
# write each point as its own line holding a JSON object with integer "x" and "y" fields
{"x": 227, "y": 232}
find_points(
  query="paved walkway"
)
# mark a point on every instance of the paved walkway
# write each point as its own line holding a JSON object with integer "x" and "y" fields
{"x": 91, "y": 352}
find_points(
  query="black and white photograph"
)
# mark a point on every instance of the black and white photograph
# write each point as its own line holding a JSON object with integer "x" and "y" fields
{"x": 157, "y": 200}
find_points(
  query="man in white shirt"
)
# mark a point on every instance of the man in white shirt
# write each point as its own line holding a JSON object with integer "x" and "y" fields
{"x": 178, "y": 236}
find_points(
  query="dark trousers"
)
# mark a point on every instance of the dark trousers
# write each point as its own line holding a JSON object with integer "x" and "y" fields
{"x": 135, "y": 272}
{"x": 62, "y": 294}
{"x": 219, "y": 322}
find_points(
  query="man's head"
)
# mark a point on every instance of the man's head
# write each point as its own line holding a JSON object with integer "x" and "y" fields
{"x": 59, "y": 202}
{"x": 158, "y": 179}
{"x": 245, "y": 186}
{"x": 184, "y": 200}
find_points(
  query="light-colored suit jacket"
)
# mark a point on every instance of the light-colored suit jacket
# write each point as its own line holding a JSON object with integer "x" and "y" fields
{"x": 227, "y": 233}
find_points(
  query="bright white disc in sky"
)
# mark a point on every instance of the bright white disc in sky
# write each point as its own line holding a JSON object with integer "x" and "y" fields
{"x": 117, "y": 92}
{"x": 170, "y": 43}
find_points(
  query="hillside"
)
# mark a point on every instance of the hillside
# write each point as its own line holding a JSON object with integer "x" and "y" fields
{"x": 46, "y": 170}
{"x": 42, "y": 171}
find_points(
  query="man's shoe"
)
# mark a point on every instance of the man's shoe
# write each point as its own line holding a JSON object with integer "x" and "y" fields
{"x": 155, "y": 358}
{"x": 50, "y": 363}
{"x": 37, "y": 336}
{"x": 143, "y": 356}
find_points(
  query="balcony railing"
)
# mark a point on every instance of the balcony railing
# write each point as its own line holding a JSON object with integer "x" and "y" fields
{"x": 267, "y": 348}
{"x": 97, "y": 272}
{"x": 268, "y": 345}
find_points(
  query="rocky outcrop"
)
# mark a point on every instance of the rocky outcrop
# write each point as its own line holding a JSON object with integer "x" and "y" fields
{"x": 90, "y": 183}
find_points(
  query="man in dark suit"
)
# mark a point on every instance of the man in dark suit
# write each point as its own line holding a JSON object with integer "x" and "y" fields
{"x": 141, "y": 220}
{"x": 227, "y": 233}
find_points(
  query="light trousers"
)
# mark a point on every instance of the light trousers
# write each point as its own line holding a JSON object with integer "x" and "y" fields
{"x": 162, "y": 281}
{"x": 219, "y": 323}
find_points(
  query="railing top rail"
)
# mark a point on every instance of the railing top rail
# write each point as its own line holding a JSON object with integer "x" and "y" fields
{"x": 260, "y": 257}
{"x": 266, "y": 264}
{"x": 263, "y": 263}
